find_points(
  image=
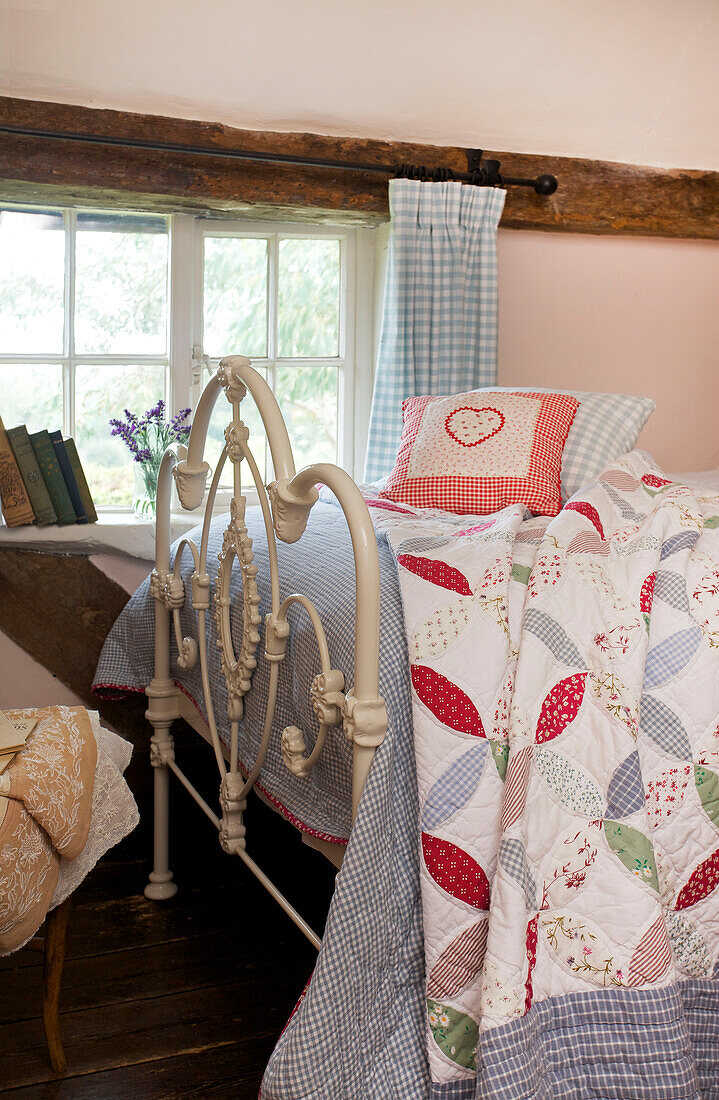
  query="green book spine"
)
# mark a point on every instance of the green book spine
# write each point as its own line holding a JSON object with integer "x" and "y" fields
{"x": 51, "y": 472}
{"x": 85, "y": 494}
{"x": 72, "y": 487}
{"x": 30, "y": 471}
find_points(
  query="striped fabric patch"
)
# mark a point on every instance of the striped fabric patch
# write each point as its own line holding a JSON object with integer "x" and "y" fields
{"x": 588, "y": 542}
{"x": 515, "y": 788}
{"x": 460, "y": 962}
{"x": 652, "y": 956}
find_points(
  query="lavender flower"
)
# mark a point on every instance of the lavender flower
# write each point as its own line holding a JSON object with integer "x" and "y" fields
{"x": 147, "y": 437}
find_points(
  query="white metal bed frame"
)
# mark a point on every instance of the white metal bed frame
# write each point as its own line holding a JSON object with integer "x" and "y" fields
{"x": 286, "y": 504}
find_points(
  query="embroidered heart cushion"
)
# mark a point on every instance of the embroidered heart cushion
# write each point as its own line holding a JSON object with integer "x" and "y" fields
{"x": 474, "y": 453}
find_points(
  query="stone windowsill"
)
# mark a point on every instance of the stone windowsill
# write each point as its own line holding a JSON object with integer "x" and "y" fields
{"x": 120, "y": 532}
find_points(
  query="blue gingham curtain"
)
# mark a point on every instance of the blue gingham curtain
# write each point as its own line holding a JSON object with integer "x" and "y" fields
{"x": 439, "y": 330}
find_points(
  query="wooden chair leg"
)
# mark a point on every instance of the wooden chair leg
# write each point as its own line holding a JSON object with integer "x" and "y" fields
{"x": 55, "y": 940}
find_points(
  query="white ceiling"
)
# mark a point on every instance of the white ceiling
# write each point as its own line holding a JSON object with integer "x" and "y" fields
{"x": 629, "y": 80}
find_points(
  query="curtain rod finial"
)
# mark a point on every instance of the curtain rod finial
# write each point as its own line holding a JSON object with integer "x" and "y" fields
{"x": 545, "y": 185}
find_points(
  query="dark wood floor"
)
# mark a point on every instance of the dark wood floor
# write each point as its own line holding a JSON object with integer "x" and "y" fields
{"x": 176, "y": 999}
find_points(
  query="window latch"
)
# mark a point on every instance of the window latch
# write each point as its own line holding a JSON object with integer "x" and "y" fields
{"x": 200, "y": 363}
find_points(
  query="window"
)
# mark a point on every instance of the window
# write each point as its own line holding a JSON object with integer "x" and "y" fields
{"x": 105, "y": 310}
{"x": 83, "y": 329}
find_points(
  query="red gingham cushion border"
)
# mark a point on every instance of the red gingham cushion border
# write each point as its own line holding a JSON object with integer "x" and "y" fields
{"x": 539, "y": 490}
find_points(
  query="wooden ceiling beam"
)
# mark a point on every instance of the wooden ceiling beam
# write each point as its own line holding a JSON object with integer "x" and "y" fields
{"x": 593, "y": 196}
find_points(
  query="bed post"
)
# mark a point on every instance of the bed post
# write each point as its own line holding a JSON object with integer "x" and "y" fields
{"x": 162, "y": 708}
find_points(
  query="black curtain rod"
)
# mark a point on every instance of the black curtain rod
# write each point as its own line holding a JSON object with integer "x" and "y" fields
{"x": 481, "y": 174}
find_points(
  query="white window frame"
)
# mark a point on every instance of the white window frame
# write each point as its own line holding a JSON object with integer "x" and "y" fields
{"x": 354, "y": 363}
{"x": 184, "y": 360}
{"x": 69, "y": 359}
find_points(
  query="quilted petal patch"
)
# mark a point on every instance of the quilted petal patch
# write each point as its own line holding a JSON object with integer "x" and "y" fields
{"x": 521, "y": 573}
{"x": 560, "y": 707}
{"x": 589, "y": 512}
{"x": 476, "y": 530}
{"x": 660, "y": 724}
{"x": 670, "y": 656}
{"x": 652, "y": 956}
{"x": 621, "y": 480}
{"x": 626, "y": 788}
{"x": 550, "y": 632}
{"x": 654, "y": 482}
{"x": 455, "y": 1033}
{"x": 460, "y": 962}
{"x": 436, "y": 572}
{"x": 455, "y": 871}
{"x": 455, "y": 786}
{"x": 671, "y": 588}
{"x": 707, "y": 784}
{"x": 443, "y": 627}
{"x": 500, "y": 752}
{"x": 683, "y": 540}
{"x": 423, "y": 545}
{"x": 588, "y": 542}
{"x": 446, "y": 701}
{"x": 574, "y": 787}
{"x": 622, "y": 506}
{"x": 634, "y": 850}
{"x": 513, "y": 859}
{"x": 617, "y": 699}
{"x": 515, "y": 788}
{"x": 665, "y": 793}
{"x": 690, "y": 947}
{"x": 703, "y": 880}
{"x": 646, "y": 596}
{"x": 531, "y": 950}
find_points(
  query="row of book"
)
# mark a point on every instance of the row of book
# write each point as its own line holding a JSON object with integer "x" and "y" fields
{"x": 42, "y": 480}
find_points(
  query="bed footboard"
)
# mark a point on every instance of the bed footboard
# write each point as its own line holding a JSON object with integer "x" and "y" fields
{"x": 286, "y": 504}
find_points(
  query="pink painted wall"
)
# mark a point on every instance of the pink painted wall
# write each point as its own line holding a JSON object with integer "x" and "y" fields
{"x": 618, "y": 314}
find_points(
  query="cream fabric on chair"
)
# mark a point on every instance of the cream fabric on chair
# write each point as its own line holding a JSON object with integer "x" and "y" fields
{"x": 49, "y": 789}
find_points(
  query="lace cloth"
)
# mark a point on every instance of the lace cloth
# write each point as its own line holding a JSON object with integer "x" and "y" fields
{"x": 114, "y": 813}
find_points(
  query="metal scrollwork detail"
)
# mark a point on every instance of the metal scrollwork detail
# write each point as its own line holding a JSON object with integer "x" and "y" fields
{"x": 237, "y": 670}
{"x": 232, "y": 828}
{"x": 277, "y": 631}
{"x": 289, "y": 512}
{"x": 364, "y": 721}
{"x": 200, "y": 591}
{"x": 161, "y": 751}
{"x": 191, "y": 483}
{"x": 187, "y": 658}
{"x": 235, "y": 389}
{"x": 327, "y": 698}
{"x": 293, "y": 748}
{"x": 167, "y": 589}
{"x": 235, "y": 436}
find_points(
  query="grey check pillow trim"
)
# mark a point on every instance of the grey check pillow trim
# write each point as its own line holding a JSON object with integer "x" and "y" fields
{"x": 606, "y": 426}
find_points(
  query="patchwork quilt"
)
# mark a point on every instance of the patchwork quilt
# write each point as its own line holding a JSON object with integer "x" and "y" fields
{"x": 565, "y": 697}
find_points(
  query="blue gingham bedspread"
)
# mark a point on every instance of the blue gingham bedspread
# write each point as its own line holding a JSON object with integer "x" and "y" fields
{"x": 321, "y": 567}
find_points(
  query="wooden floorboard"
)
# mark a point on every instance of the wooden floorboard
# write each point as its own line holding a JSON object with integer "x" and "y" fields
{"x": 212, "y": 1074}
{"x": 179, "y": 999}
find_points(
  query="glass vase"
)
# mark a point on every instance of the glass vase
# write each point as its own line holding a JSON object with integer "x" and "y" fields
{"x": 144, "y": 496}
